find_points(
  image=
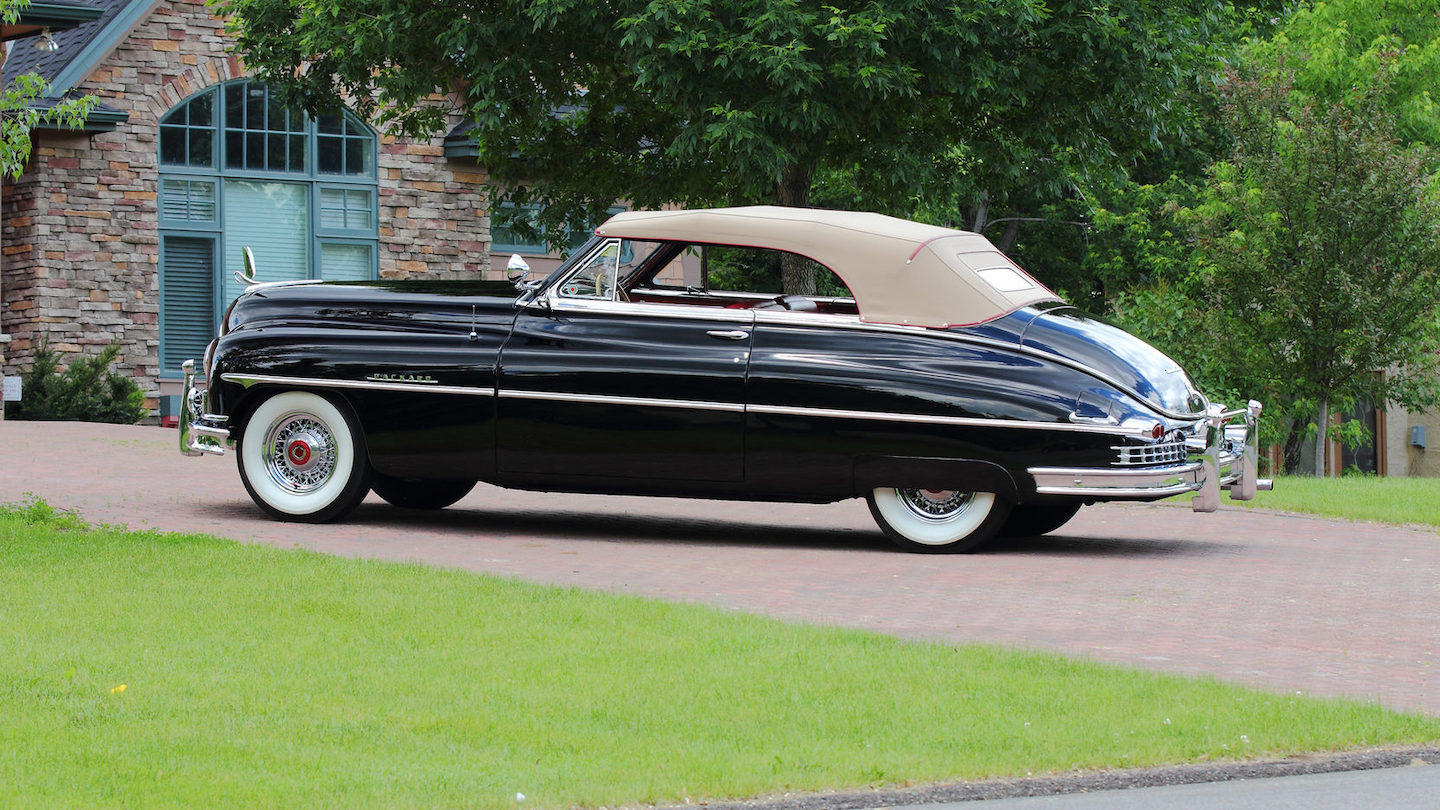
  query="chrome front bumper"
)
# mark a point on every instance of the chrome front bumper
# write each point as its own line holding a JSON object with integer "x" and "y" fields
{"x": 200, "y": 432}
{"x": 1228, "y": 460}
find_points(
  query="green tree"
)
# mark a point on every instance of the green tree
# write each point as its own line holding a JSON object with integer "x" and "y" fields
{"x": 1322, "y": 233}
{"x": 577, "y": 104}
{"x": 1334, "y": 49}
{"x": 21, "y": 110}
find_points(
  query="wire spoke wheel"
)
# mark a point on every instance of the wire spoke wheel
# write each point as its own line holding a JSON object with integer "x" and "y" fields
{"x": 937, "y": 520}
{"x": 300, "y": 453}
{"x": 302, "y": 458}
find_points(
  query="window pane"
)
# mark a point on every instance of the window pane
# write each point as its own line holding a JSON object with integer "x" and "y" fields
{"x": 297, "y": 153}
{"x": 345, "y": 262}
{"x": 235, "y": 106}
{"x": 595, "y": 278}
{"x": 187, "y": 200}
{"x": 328, "y": 155}
{"x": 272, "y": 219}
{"x": 347, "y": 209}
{"x": 202, "y": 147}
{"x": 357, "y": 156}
{"x": 515, "y": 231}
{"x": 172, "y": 146}
{"x": 332, "y": 208}
{"x": 276, "y": 156}
{"x": 328, "y": 124}
{"x": 254, "y": 150}
{"x": 235, "y": 150}
{"x": 200, "y": 110}
{"x": 276, "y": 116}
{"x": 254, "y": 107}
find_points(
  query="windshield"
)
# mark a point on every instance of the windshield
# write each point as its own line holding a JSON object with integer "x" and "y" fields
{"x": 595, "y": 276}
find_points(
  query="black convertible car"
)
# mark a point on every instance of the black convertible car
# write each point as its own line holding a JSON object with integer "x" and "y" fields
{"x": 929, "y": 375}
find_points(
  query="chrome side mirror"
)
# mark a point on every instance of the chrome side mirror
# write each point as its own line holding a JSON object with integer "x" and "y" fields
{"x": 516, "y": 270}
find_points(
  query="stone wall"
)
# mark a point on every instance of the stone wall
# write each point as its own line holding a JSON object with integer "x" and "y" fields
{"x": 434, "y": 218}
{"x": 81, "y": 228}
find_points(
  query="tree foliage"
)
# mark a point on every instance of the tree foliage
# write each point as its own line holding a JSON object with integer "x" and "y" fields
{"x": 577, "y": 104}
{"x": 1320, "y": 245}
{"x": 1335, "y": 49}
{"x": 1304, "y": 260}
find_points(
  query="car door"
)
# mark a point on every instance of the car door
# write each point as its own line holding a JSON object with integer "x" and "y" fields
{"x": 595, "y": 391}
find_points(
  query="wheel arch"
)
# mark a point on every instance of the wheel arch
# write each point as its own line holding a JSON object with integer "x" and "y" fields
{"x": 934, "y": 473}
{"x": 247, "y": 399}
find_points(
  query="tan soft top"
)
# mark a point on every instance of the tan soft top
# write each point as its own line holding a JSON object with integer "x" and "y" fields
{"x": 900, "y": 271}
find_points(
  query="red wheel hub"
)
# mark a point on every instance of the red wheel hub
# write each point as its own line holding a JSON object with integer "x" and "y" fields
{"x": 298, "y": 452}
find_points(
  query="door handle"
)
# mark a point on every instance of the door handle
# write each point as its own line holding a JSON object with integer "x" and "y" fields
{"x": 728, "y": 334}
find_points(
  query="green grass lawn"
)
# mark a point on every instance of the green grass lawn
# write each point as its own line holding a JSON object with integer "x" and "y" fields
{"x": 1387, "y": 500}
{"x": 155, "y": 670}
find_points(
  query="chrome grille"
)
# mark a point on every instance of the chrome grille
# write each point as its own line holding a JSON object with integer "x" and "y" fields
{"x": 1135, "y": 455}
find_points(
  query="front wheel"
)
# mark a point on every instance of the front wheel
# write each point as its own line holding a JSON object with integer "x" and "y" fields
{"x": 302, "y": 458}
{"x": 937, "y": 520}
{"x": 419, "y": 494}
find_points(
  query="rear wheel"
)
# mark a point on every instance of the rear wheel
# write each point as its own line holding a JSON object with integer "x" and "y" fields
{"x": 302, "y": 458}
{"x": 937, "y": 520}
{"x": 1035, "y": 519}
{"x": 419, "y": 494}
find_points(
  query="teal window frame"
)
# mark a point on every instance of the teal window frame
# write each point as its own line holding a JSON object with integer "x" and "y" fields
{"x": 358, "y": 147}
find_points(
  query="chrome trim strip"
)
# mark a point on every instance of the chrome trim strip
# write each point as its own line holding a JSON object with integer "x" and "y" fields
{"x": 652, "y": 310}
{"x": 759, "y": 298}
{"x": 248, "y": 380}
{"x": 785, "y": 317}
{"x": 606, "y": 399}
{"x": 958, "y": 421}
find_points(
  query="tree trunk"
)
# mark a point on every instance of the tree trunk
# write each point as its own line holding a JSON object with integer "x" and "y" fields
{"x": 797, "y": 276}
{"x": 1321, "y": 437}
{"x": 980, "y": 214}
{"x": 1007, "y": 240}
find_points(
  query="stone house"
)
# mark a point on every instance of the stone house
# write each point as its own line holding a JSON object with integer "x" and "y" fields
{"x": 129, "y": 231}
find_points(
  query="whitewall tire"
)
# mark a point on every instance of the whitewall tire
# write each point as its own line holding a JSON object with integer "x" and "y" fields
{"x": 937, "y": 521}
{"x": 302, "y": 458}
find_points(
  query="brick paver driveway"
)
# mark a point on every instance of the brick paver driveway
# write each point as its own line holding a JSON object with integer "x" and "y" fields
{"x": 1283, "y": 602}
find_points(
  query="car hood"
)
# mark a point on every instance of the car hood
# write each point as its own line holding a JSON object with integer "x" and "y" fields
{"x": 385, "y": 304}
{"x": 1103, "y": 349}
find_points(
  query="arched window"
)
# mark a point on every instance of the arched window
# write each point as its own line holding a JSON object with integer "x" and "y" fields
{"x": 238, "y": 169}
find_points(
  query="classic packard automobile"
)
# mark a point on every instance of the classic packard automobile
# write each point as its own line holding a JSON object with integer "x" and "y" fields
{"x": 930, "y": 376}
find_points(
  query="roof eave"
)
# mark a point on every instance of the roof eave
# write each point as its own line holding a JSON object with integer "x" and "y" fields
{"x": 57, "y": 15}
{"x": 97, "y": 121}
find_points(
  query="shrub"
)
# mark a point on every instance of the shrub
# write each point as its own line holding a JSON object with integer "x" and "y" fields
{"x": 87, "y": 391}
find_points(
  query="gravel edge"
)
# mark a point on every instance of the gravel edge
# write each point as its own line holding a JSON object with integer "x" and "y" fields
{"x": 1086, "y": 781}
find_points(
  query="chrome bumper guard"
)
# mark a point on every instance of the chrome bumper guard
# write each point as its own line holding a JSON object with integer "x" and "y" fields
{"x": 1228, "y": 460}
{"x": 200, "y": 432}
